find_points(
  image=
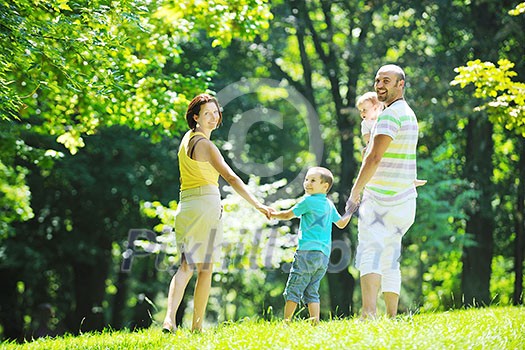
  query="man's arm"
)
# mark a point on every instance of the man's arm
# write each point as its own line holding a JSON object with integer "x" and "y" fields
{"x": 369, "y": 166}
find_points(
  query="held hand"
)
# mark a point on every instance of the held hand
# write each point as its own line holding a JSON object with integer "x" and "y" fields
{"x": 352, "y": 203}
{"x": 266, "y": 211}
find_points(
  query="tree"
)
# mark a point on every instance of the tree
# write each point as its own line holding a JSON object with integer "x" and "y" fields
{"x": 504, "y": 99}
{"x": 83, "y": 207}
{"x": 68, "y": 69}
{"x": 505, "y": 106}
{"x": 504, "y": 102}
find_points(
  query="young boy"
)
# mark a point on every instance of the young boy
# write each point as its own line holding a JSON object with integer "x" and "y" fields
{"x": 311, "y": 258}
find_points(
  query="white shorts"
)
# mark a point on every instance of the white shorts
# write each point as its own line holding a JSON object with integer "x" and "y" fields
{"x": 381, "y": 228}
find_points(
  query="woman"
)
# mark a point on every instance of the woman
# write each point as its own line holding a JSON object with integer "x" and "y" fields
{"x": 198, "y": 225}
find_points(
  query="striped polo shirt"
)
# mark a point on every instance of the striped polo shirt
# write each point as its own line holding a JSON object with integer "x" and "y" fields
{"x": 393, "y": 181}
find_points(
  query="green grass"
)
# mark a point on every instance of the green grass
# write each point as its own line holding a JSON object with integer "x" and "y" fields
{"x": 488, "y": 328}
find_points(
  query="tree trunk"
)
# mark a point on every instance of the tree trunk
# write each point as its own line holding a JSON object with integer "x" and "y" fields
{"x": 119, "y": 301}
{"x": 517, "y": 298}
{"x": 90, "y": 285}
{"x": 10, "y": 315}
{"x": 341, "y": 286}
{"x": 341, "y": 283}
{"x": 477, "y": 259}
{"x": 144, "y": 309}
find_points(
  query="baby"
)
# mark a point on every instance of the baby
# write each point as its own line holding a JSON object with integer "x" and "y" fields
{"x": 369, "y": 108}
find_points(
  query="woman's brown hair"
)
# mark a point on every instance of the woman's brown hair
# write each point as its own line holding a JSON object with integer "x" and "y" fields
{"x": 195, "y": 107}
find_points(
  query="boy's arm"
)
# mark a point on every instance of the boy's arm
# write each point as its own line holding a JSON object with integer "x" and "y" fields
{"x": 345, "y": 219}
{"x": 283, "y": 215}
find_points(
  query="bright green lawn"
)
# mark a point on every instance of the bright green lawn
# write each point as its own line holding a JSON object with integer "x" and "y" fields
{"x": 489, "y": 328}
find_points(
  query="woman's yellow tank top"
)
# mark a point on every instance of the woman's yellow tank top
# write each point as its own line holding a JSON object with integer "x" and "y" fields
{"x": 194, "y": 173}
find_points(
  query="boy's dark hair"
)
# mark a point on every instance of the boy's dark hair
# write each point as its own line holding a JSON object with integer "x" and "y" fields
{"x": 195, "y": 107}
{"x": 325, "y": 174}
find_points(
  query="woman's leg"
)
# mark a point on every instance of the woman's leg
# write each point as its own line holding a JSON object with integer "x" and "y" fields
{"x": 202, "y": 292}
{"x": 176, "y": 291}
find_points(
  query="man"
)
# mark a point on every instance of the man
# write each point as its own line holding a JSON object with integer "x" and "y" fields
{"x": 388, "y": 207}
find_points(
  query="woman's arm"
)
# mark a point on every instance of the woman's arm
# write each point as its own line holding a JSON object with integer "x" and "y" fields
{"x": 209, "y": 152}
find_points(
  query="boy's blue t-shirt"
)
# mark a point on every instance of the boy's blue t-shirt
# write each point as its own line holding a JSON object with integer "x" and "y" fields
{"x": 317, "y": 214}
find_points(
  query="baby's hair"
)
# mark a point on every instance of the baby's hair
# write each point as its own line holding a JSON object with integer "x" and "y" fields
{"x": 368, "y": 96}
{"x": 325, "y": 174}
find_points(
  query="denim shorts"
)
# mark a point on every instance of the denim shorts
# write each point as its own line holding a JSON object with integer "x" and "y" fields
{"x": 308, "y": 268}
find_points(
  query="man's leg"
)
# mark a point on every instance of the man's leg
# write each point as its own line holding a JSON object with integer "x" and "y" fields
{"x": 399, "y": 221}
{"x": 391, "y": 281}
{"x": 391, "y": 301}
{"x": 370, "y": 285}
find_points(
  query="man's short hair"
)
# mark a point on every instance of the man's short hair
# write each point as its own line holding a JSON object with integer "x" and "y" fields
{"x": 398, "y": 71}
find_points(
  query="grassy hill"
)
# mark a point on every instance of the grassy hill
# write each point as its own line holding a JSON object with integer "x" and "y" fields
{"x": 488, "y": 328}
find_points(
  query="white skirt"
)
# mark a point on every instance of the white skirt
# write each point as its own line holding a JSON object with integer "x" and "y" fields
{"x": 198, "y": 224}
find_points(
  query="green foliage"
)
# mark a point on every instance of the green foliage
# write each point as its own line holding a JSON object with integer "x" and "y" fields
{"x": 502, "y": 281}
{"x": 432, "y": 260}
{"x": 507, "y": 176}
{"x": 518, "y": 10}
{"x": 83, "y": 211}
{"x": 223, "y": 20}
{"x": 15, "y": 195}
{"x": 491, "y": 328}
{"x": 441, "y": 282}
{"x": 14, "y": 203}
{"x": 491, "y": 164}
{"x": 504, "y": 98}
{"x": 77, "y": 66}
{"x": 68, "y": 68}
